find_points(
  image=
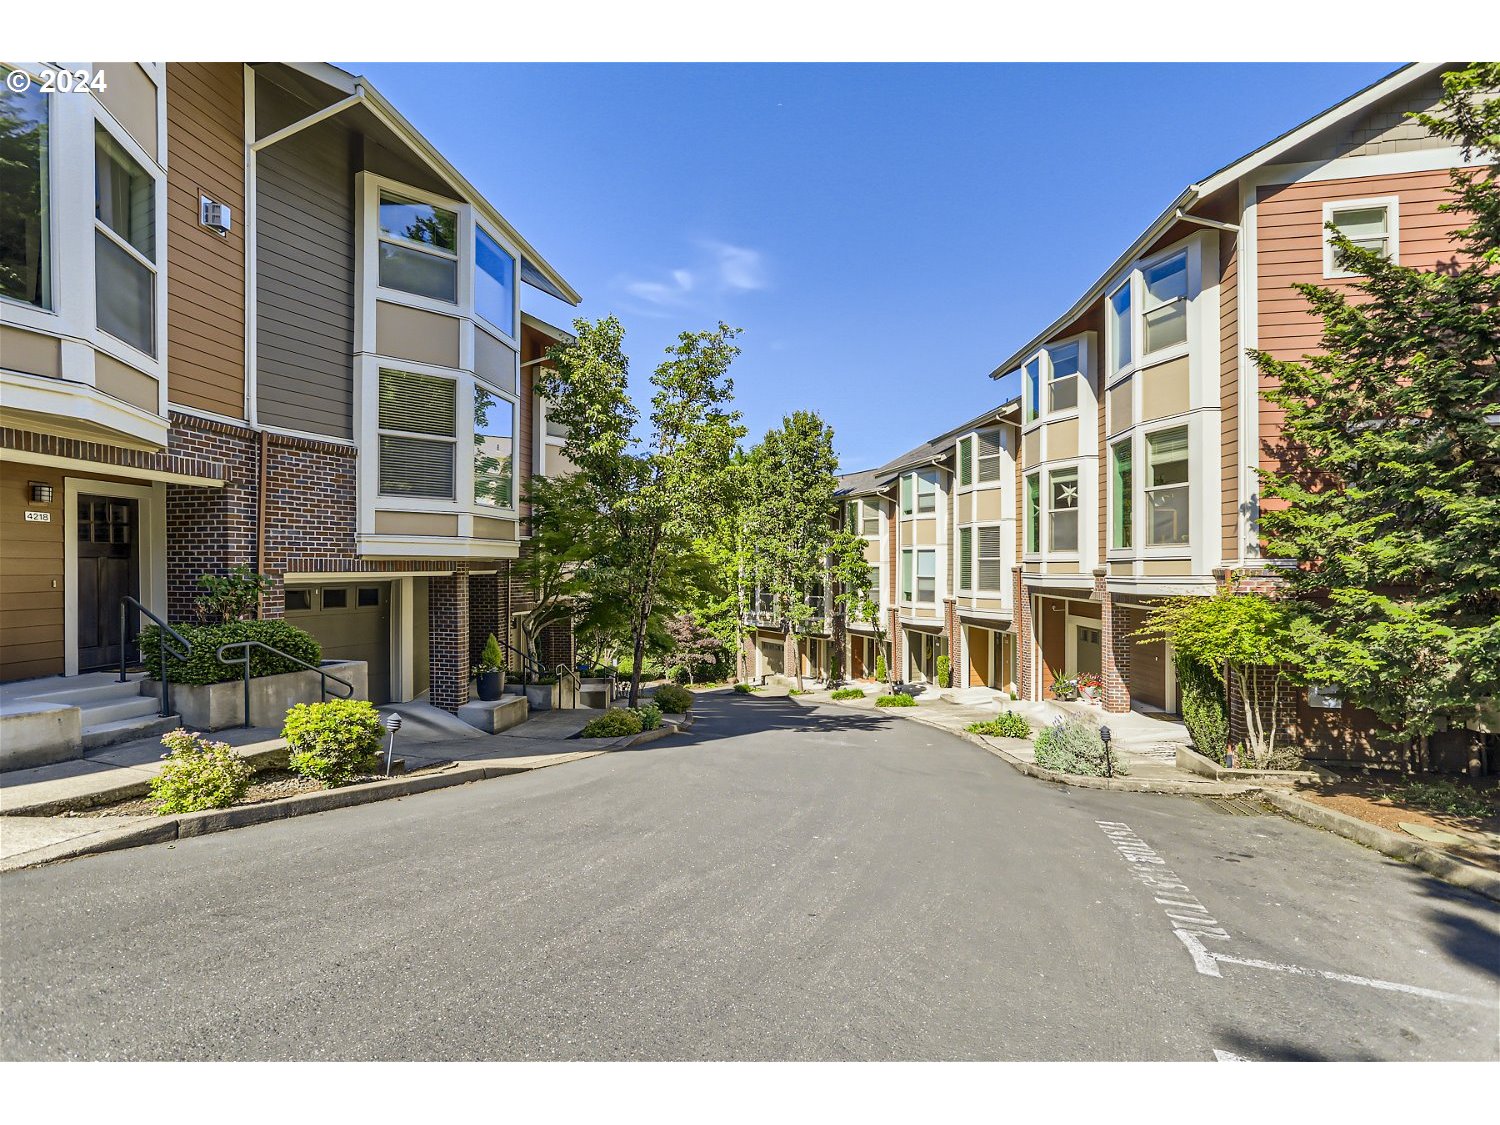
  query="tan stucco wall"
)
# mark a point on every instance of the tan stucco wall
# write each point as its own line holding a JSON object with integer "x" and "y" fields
{"x": 416, "y": 334}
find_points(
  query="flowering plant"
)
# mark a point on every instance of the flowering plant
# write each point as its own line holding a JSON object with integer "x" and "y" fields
{"x": 1089, "y": 680}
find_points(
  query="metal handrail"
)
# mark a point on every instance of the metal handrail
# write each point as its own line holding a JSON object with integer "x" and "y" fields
{"x": 323, "y": 675}
{"x": 164, "y": 649}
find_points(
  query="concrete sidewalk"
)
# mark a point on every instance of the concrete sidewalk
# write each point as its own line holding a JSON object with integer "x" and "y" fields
{"x": 38, "y": 807}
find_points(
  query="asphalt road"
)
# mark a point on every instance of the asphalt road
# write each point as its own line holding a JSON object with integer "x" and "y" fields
{"x": 784, "y": 883}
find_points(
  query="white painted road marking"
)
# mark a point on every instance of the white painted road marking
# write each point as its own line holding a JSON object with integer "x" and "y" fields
{"x": 1191, "y": 922}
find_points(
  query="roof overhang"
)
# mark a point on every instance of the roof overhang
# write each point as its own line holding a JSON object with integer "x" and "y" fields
{"x": 535, "y": 271}
{"x": 1267, "y": 154}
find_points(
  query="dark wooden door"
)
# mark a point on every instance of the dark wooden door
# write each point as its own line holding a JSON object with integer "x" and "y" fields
{"x": 108, "y": 570}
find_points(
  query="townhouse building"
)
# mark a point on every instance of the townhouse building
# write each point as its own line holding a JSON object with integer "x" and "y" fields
{"x": 1144, "y": 424}
{"x": 938, "y": 526}
{"x": 250, "y": 315}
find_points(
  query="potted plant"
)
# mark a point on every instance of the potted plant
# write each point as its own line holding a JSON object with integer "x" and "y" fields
{"x": 1089, "y": 686}
{"x": 539, "y": 692}
{"x": 490, "y": 671}
{"x": 1064, "y": 689}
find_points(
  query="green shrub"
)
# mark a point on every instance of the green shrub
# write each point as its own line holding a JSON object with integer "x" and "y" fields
{"x": 849, "y": 693}
{"x": 944, "y": 671}
{"x": 880, "y": 670}
{"x": 333, "y": 741}
{"x": 800, "y": 691}
{"x": 1072, "y": 747}
{"x": 895, "y": 701}
{"x": 1443, "y": 797}
{"x": 1008, "y": 724}
{"x": 204, "y": 666}
{"x": 746, "y": 689}
{"x": 613, "y": 723}
{"x": 491, "y": 659}
{"x": 229, "y": 597}
{"x": 1203, "y": 710}
{"x": 650, "y": 715}
{"x": 673, "y": 700}
{"x": 198, "y": 774}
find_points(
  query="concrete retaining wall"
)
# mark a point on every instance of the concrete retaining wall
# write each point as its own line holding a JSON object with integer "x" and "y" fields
{"x": 207, "y": 707}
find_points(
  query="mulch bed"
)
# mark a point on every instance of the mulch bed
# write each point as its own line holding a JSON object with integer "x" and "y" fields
{"x": 1376, "y": 802}
{"x": 266, "y": 785}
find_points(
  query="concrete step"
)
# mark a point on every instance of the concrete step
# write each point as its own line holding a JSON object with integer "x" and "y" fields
{"x": 92, "y": 694}
{"x": 116, "y": 731}
{"x": 132, "y": 707}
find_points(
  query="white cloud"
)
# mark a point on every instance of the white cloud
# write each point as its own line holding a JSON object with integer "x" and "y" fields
{"x": 721, "y": 269}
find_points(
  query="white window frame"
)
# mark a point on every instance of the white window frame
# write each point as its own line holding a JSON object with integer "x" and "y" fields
{"x": 1141, "y": 470}
{"x": 17, "y": 311}
{"x": 396, "y": 499}
{"x": 918, "y": 576}
{"x": 1129, "y": 551}
{"x": 463, "y": 236}
{"x": 1193, "y": 285}
{"x": 514, "y": 337}
{"x": 1392, "y": 206}
{"x": 998, "y": 457}
{"x": 977, "y": 539}
{"x": 970, "y": 556}
{"x": 158, "y": 238}
{"x": 869, "y": 508}
{"x": 1086, "y": 343}
{"x": 1052, "y": 470}
{"x": 1127, "y": 365}
{"x": 1053, "y": 379}
{"x": 508, "y": 510}
{"x": 1028, "y": 549}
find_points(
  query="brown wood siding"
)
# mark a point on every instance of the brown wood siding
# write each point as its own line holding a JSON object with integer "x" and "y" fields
{"x": 304, "y": 274}
{"x": 1229, "y": 390}
{"x": 1054, "y": 641}
{"x": 31, "y": 576}
{"x": 1289, "y": 224}
{"x": 206, "y": 273}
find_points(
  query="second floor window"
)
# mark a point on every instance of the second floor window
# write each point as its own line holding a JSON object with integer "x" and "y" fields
{"x": 1031, "y": 388}
{"x": 1062, "y": 510}
{"x": 1369, "y": 224}
{"x": 990, "y": 562}
{"x": 25, "y": 209}
{"x": 870, "y": 518}
{"x": 918, "y": 493}
{"x": 1120, "y": 327}
{"x": 494, "y": 283}
{"x": 418, "y": 248}
{"x": 989, "y": 456}
{"x": 1062, "y": 379}
{"x": 919, "y": 576}
{"x": 124, "y": 244}
{"x": 1165, "y": 311}
{"x": 965, "y": 559}
{"x": 418, "y": 419}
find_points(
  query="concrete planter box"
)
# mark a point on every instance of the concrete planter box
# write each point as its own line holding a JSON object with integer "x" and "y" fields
{"x": 594, "y": 692}
{"x": 207, "y": 707}
{"x": 1194, "y": 762}
{"x": 543, "y": 697}
{"x": 39, "y": 734}
{"x": 494, "y": 716}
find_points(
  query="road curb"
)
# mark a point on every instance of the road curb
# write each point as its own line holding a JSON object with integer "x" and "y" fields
{"x": 186, "y": 825}
{"x": 1444, "y": 866}
{"x": 1113, "y": 784}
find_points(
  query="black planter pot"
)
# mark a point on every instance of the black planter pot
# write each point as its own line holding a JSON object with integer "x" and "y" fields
{"x": 489, "y": 686}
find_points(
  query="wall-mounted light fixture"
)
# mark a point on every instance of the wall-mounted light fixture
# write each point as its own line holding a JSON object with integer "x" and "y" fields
{"x": 40, "y": 493}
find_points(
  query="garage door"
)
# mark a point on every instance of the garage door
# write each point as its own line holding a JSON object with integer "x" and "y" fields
{"x": 773, "y": 656}
{"x": 352, "y": 621}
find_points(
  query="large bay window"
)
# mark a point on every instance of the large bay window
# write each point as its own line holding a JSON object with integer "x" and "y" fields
{"x": 418, "y": 435}
{"x": 25, "y": 204}
{"x": 1062, "y": 510}
{"x": 494, "y": 449}
{"x": 124, "y": 244}
{"x": 494, "y": 282}
{"x": 1167, "y": 487}
{"x": 1164, "y": 315}
{"x": 1121, "y": 495}
{"x": 418, "y": 248}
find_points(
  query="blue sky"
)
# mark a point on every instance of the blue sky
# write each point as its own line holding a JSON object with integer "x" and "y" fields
{"x": 884, "y": 234}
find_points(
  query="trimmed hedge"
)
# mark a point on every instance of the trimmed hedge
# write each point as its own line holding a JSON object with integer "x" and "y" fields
{"x": 333, "y": 741}
{"x": 673, "y": 700}
{"x": 613, "y": 723}
{"x": 849, "y": 693}
{"x": 895, "y": 701}
{"x": 204, "y": 667}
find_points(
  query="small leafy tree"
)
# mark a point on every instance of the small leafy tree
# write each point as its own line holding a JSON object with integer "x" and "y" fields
{"x": 691, "y": 647}
{"x": 854, "y": 596}
{"x": 1247, "y": 639}
{"x": 1391, "y": 510}
{"x": 232, "y": 596}
{"x": 638, "y": 501}
{"x": 790, "y": 519}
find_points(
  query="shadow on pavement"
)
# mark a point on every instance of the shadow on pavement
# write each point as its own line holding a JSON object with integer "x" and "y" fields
{"x": 1260, "y": 1049}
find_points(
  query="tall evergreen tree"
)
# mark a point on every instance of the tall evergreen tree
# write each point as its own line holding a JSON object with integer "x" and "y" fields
{"x": 1392, "y": 508}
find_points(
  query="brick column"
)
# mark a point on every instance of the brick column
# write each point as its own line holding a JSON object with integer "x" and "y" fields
{"x": 448, "y": 641}
{"x": 1114, "y": 636}
{"x": 486, "y": 605}
{"x": 1025, "y": 635}
{"x": 957, "y": 673}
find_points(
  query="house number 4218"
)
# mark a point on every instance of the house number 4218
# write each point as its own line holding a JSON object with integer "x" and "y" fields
{"x": 38, "y": 517}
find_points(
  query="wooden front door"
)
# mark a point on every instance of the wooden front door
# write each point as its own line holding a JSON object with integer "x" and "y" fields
{"x": 109, "y": 568}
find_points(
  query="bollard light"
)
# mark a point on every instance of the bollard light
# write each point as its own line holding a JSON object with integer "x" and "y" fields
{"x": 1109, "y": 765}
{"x": 392, "y": 723}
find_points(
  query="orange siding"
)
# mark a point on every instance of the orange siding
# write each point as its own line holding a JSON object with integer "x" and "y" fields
{"x": 1229, "y": 389}
{"x": 206, "y": 273}
{"x": 1290, "y": 250}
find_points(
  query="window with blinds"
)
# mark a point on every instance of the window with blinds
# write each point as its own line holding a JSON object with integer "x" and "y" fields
{"x": 966, "y": 461}
{"x": 991, "y": 569}
{"x": 989, "y": 456}
{"x": 871, "y": 517}
{"x": 418, "y": 416}
{"x": 965, "y": 559}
